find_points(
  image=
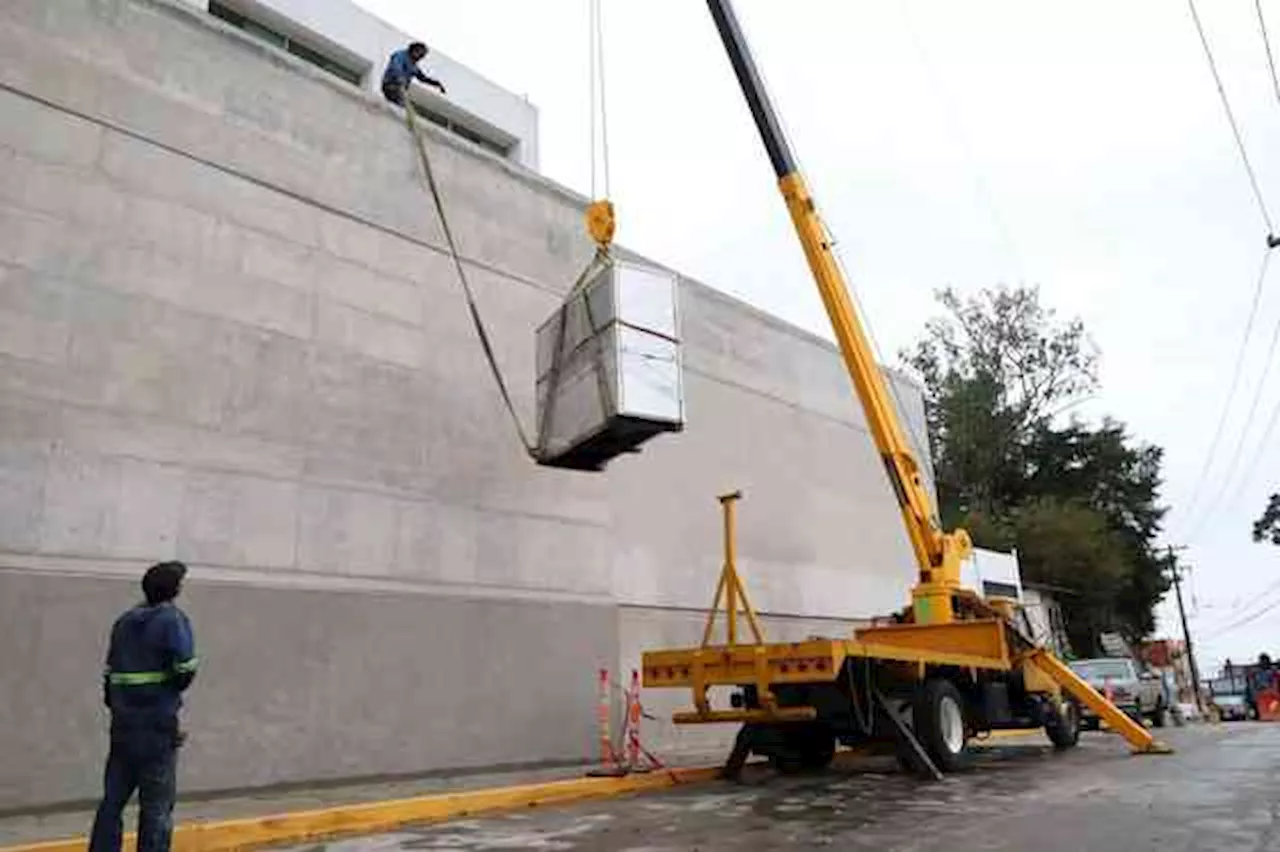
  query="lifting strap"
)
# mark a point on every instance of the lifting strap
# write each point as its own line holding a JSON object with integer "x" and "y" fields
{"x": 476, "y": 320}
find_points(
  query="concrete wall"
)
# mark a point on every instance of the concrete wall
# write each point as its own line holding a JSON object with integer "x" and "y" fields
{"x": 229, "y": 334}
{"x": 344, "y": 31}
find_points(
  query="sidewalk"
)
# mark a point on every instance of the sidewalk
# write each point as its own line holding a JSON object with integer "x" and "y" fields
{"x": 21, "y": 830}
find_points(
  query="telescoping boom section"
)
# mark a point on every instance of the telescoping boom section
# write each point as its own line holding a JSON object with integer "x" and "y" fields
{"x": 951, "y": 665}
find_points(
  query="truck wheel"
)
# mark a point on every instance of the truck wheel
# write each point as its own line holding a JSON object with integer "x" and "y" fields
{"x": 1158, "y": 718}
{"x": 1063, "y": 725}
{"x": 819, "y": 748}
{"x": 939, "y": 717}
{"x": 805, "y": 748}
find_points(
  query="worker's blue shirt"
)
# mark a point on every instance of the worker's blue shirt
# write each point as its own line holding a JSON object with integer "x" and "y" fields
{"x": 150, "y": 661}
{"x": 401, "y": 69}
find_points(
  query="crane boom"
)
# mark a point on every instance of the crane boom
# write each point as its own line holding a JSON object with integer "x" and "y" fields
{"x": 938, "y": 554}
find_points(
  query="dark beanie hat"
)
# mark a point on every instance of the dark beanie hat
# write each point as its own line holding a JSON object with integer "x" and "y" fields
{"x": 162, "y": 581}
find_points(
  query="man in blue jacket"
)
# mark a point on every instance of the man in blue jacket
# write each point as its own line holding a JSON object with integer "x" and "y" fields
{"x": 151, "y": 660}
{"x": 402, "y": 68}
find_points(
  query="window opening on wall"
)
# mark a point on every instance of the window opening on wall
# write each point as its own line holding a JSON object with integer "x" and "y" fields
{"x": 471, "y": 135}
{"x": 275, "y": 38}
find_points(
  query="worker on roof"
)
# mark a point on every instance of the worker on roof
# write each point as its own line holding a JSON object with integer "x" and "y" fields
{"x": 150, "y": 661}
{"x": 402, "y": 68}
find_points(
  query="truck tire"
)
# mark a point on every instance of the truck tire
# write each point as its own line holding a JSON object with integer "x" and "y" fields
{"x": 1063, "y": 726}
{"x": 1160, "y": 717}
{"x": 819, "y": 747}
{"x": 807, "y": 747}
{"x": 940, "y": 724}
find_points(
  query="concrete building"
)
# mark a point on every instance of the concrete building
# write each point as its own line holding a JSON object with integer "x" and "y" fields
{"x": 352, "y": 45}
{"x": 230, "y": 333}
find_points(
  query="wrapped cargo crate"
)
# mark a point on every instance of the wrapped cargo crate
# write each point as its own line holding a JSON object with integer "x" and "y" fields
{"x": 609, "y": 368}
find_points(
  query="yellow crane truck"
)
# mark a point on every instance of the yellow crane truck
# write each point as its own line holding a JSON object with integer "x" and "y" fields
{"x": 948, "y": 667}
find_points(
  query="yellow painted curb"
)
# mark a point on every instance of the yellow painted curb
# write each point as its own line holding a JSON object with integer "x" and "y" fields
{"x": 372, "y": 817}
{"x": 375, "y": 817}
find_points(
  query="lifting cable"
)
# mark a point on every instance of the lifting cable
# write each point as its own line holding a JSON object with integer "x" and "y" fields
{"x": 412, "y": 123}
{"x": 600, "y": 224}
{"x": 600, "y": 211}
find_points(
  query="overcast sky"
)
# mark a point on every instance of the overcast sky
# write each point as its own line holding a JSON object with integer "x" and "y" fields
{"x": 1079, "y": 146}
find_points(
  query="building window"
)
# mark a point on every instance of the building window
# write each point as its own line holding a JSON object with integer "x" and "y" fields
{"x": 459, "y": 129}
{"x": 262, "y": 32}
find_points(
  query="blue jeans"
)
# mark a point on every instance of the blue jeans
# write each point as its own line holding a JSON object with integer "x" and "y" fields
{"x": 143, "y": 759}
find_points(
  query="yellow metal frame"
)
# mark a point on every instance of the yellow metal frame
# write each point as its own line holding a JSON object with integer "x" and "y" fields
{"x": 730, "y": 588}
{"x": 938, "y": 635}
{"x": 972, "y": 643}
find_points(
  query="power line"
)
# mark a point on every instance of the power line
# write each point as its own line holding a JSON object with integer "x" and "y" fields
{"x": 1245, "y": 607}
{"x": 1266, "y": 43}
{"x": 1231, "y": 389}
{"x": 1231, "y": 119}
{"x": 1246, "y": 620}
{"x": 1233, "y": 465}
{"x": 1252, "y": 470}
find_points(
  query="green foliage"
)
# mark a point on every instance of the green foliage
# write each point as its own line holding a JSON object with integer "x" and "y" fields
{"x": 1267, "y": 527}
{"x": 1080, "y": 504}
{"x": 1070, "y": 546}
{"x": 997, "y": 367}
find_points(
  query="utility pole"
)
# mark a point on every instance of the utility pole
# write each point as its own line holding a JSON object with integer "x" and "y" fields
{"x": 1186, "y": 631}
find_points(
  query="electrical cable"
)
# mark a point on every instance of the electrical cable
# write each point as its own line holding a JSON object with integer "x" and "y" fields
{"x": 1234, "y": 463}
{"x": 1266, "y": 43}
{"x": 1202, "y": 478}
{"x": 1252, "y": 470}
{"x": 1243, "y": 621}
{"x": 1245, "y": 607}
{"x": 1231, "y": 119}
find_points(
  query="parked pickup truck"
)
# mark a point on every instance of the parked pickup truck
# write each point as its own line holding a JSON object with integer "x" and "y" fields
{"x": 1138, "y": 693}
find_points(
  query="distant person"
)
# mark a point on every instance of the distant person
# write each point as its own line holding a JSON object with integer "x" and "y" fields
{"x": 150, "y": 662}
{"x": 402, "y": 69}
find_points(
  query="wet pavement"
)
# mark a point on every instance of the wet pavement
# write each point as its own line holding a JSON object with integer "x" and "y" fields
{"x": 1220, "y": 791}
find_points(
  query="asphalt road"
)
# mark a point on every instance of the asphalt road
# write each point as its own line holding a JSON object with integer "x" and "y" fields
{"x": 1220, "y": 791}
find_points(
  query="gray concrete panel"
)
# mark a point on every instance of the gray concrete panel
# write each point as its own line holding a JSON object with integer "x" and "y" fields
{"x": 299, "y": 685}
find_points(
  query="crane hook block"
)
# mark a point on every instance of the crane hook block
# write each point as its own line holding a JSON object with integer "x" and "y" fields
{"x": 600, "y": 222}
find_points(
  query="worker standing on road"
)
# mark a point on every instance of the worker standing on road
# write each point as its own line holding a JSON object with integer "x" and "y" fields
{"x": 150, "y": 662}
{"x": 402, "y": 68}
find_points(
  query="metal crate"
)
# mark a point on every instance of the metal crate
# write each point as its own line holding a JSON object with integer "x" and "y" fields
{"x": 609, "y": 368}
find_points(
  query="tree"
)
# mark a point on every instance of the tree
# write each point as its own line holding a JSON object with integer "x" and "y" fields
{"x": 996, "y": 368}
{"x": 1102, "y": 469}
{"x": 1080, "y": 504}
{"x": 1267, "y": 527}
{"x": 1070, "y": 546}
